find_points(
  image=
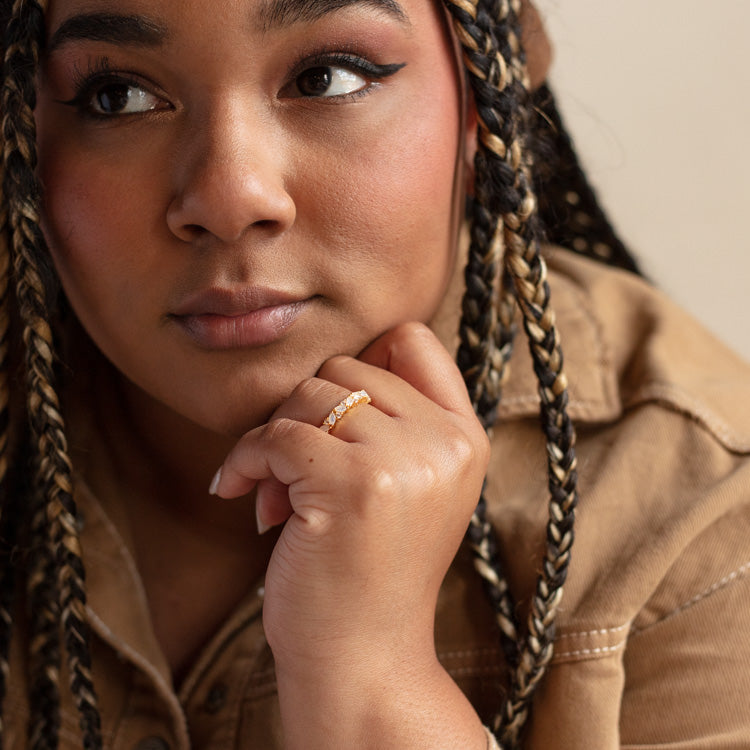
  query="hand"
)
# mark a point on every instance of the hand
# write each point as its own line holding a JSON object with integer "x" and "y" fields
{"x": 374, "y": 511}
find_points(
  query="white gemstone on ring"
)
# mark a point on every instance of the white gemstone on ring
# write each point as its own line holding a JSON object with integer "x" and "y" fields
{"x": 353, "y": 399}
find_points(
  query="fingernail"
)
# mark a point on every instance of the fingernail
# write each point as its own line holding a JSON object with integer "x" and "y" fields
{"x": 215, "y": 483}
{"x": 262, "y": 527}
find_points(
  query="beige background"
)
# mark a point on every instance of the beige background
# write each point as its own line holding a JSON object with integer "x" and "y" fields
{"x": 657, "y": 96}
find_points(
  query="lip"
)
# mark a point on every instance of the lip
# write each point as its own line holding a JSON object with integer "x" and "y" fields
{"x": 232, "y": 319}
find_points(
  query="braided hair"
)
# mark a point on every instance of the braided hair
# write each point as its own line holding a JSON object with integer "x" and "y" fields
{"x": 505, "y": 272}
{"x": 55, "y": 577}
{"x": 507, "y": 225}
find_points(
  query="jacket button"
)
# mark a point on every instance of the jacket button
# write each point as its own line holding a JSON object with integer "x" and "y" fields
{"x": 216, "y": 698}
{"x": 152, "y": 743}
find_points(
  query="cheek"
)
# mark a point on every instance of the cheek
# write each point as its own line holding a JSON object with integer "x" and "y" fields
{"x": 411, "y": 161}
{"x": 397, "y": 204}
{"x": 94, "y": 222}
{"x": 415, "y": 203}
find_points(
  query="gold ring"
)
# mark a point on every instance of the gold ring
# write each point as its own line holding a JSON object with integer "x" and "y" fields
{"x": 353, "y": 399}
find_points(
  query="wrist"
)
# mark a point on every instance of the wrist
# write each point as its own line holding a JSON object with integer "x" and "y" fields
{"x": 414, "y": 706}
{"x": 354, "y": 649}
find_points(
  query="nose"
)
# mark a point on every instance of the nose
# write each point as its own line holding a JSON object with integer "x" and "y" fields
{"x": 229, "y": 178}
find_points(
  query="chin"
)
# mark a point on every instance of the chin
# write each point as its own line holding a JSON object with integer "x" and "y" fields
{"x": 231, "y": 417}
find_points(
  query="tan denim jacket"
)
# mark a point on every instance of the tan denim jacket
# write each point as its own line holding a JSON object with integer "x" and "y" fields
{"x": 653, "y": 648}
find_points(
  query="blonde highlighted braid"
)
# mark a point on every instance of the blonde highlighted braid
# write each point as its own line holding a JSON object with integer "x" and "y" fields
{"x": 505, "y": 271}
{"x": 505, "y": 220}
{"x": 56, "y": 579}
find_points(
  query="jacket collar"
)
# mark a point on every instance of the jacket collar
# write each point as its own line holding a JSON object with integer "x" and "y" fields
{"x": 624, "y": 344}
{"x": 592, "y": 382}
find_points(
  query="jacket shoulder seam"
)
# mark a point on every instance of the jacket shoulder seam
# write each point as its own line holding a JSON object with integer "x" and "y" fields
{"x": 736, "y": 575}
{"x": 680, "y": 400}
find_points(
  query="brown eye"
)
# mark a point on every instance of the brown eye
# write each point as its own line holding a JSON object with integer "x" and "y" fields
{"x": 113, "y": 98}
{"x": 121, "y": 99}
{"x": 314, "y": 82}
{"x": 329, "y": 80}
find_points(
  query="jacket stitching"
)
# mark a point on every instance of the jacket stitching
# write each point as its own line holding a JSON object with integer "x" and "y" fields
{"x": 605, "y": 631}
{"x": 533, "y": 400}
{"x": 712, "y": 589}
{"x": 683, "y": 401}
{"x": 590, "y": 651}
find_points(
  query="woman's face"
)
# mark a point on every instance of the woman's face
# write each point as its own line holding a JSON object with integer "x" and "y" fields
{"x": 237, "y": 190}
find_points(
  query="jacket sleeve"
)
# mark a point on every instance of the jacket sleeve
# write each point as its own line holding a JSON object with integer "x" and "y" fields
{"x": 676, "y": 673}
{"x": 687, "y": 675}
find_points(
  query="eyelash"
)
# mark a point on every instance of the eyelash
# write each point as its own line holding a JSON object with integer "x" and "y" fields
{"x": 99, "y": 73}
{"x": 372, "y": 72}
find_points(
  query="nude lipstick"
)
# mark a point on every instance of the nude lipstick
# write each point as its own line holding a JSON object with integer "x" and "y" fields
{"x": 230, "y": 319}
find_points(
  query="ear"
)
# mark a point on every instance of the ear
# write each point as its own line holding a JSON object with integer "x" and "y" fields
{"x": 470, "y": 143}
{"x": 536, "y": 44}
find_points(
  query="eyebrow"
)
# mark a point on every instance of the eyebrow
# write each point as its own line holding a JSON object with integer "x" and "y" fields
{"x": 274, "y": 14}
{"x": 109, "y": 27}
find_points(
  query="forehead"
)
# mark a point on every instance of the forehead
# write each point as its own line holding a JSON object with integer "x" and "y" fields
{"x": 151, "y": 21}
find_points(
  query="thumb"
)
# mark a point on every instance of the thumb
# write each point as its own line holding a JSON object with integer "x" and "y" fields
{"x": 414, "y": 353}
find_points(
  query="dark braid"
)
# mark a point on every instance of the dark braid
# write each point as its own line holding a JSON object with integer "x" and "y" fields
{"x": 490, "y": 37}
{"x": 525, "y": 263}
{"x": 486, "y": 337}
{"x": 568, "y": 206}
{"x": 54, "y": 528}
{"x": 8, "y": 525}
{"x": 44, "y": 617}
{"x": 44, "y": 632}
{"x": 9, "y": 521}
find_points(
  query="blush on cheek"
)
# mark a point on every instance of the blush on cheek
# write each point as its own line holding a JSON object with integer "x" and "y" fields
{"x": 91, "y": 243}
{"x": 87, "y": 201}
{"x": 90, "y": 218}
{"x": 420, "y": 180}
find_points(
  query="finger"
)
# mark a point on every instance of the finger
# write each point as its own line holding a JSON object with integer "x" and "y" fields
{"x": 311, "y": 401}
{"x": 413, "y": 353}
{"x": 294, "y": 454}
{"x": 280, "y": 449}
{"x": 314, "y": 400}
{"x": 272, "y": 504}
{"x": 301, "y": 458}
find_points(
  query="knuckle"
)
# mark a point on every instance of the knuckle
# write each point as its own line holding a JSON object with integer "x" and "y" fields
{"x": 460, "y": 447}
{"x": 469, "y": 449}
{"x": 412, "y": 333}
{"x": 331, "y": 368}
{"x": 278, "y": 429}
{"x": 382, "y": 483}
{"x": 413, "y": 328}
{"x": 374, "y": 481}
{"x": 308, "y": 389}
